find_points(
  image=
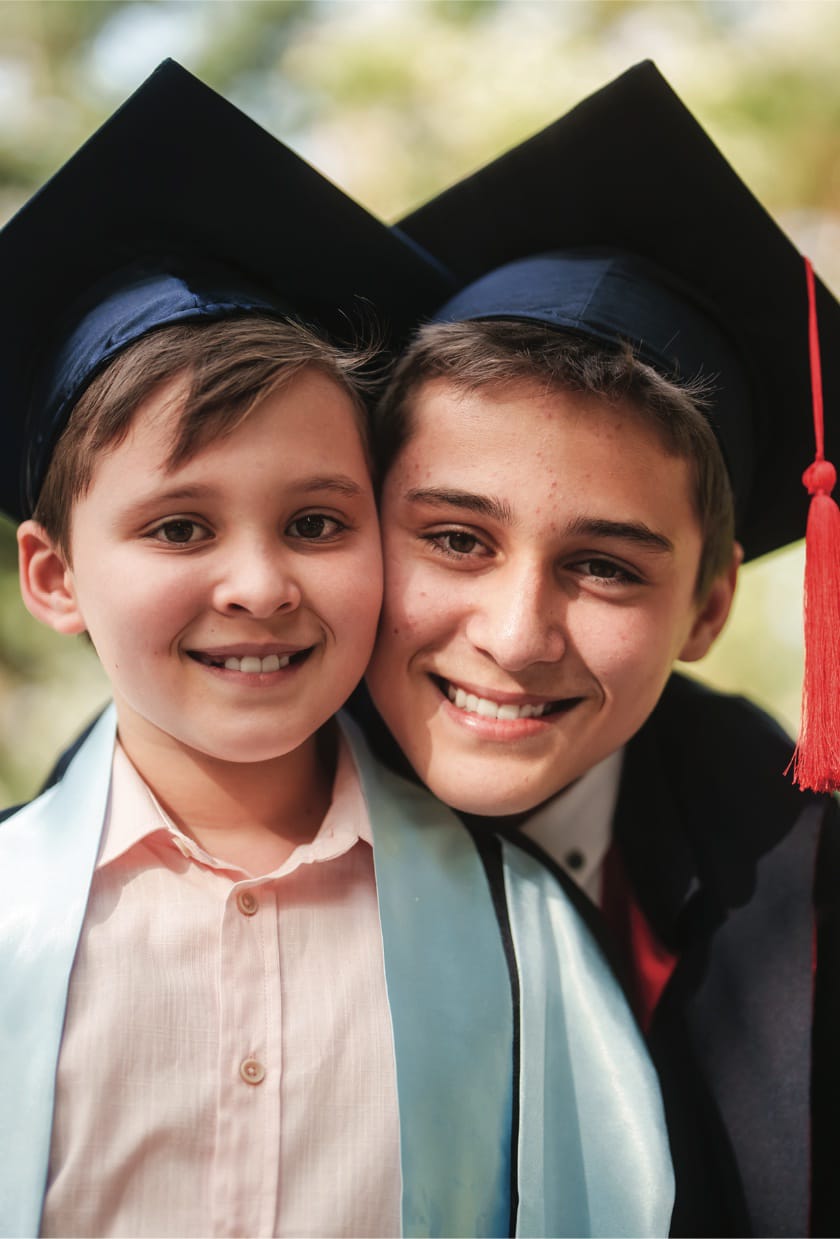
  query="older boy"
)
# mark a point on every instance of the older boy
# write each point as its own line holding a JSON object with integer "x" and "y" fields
{"x": 559, "y": 527}
{"x": 216, "y": 1017}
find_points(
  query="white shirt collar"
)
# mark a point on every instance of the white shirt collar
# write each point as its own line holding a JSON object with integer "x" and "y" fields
{"x": 575, "y": 827}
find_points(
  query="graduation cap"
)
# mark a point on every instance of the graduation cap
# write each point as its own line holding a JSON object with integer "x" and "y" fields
{"x": 179, "y": 207}
{"x": 623, "y": 221}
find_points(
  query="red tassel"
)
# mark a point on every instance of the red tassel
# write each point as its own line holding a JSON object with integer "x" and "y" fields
{"x": 816, "y": 761}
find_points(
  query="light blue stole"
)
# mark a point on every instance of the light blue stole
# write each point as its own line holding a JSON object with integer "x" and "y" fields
{"x": 592, "y": 1154}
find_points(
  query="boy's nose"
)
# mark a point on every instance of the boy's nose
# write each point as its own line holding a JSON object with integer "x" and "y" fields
{"x": 259, "y": 582}
{"x": 519, "y": 623}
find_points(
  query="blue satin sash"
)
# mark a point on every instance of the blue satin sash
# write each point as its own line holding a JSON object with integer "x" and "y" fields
{"x": 47, "y": 854}
{"x": 598, "y": 1163}
{"x": 592, "y": 1155}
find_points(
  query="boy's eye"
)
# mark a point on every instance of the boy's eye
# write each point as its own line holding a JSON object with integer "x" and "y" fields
{"x": 455, "y": 542}
{"x": 180, "y": 532}
{"x": 314, "y": 527}
{"x": 461, "y": 543}
{"x": 606, "y": 570}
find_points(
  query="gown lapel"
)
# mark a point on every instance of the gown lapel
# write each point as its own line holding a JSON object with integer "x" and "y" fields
{"x": 721, "y": 855}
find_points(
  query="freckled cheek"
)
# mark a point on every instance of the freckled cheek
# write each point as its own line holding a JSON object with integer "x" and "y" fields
{"x": 623, "y": 647}
{"x": 425, "y": 613}
{"x": 407, "y": 589}
{"x": 404, "y": 620}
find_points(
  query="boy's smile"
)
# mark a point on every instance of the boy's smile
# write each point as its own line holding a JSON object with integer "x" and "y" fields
{"x": 232, "y": 599}
{"x": 528, "y": 712}
{"x": 248, "y": 659}
{"x": 541, "y": 557}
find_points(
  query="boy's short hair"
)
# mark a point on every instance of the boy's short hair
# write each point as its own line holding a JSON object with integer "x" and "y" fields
{"x": 229, "y": 365}
{"x": 489, "y": 353}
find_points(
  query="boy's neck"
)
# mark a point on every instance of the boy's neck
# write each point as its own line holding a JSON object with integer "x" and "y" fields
{"x": 251, "y": 815}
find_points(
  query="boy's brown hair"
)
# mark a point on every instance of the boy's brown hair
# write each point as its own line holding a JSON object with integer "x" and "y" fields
{"x": 478, "y": 354}
{"x": 228, "y": 366}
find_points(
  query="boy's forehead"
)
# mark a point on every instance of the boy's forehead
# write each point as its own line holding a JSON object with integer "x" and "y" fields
{"x": 529, "y": 414}
{"x": 441, "y": 405}
{"x": 166, "y": 447}
{"x": 175, "y": 430}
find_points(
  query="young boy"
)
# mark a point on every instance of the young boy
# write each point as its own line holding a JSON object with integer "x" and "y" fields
{"x": 559, "y": 527}
{"x": 216, "y": 1015}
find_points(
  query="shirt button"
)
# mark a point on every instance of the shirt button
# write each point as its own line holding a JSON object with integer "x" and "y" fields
{"x": 252, "y": 1071}
{"x": 247, "y": 902}
{"x": 575, "y": 860}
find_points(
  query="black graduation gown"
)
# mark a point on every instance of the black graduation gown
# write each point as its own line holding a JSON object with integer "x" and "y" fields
{"x": 738, "y": 874}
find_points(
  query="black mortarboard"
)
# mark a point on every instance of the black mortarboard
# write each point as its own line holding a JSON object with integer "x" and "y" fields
{"x": 721, "y": 290}
{"x": 179, "y": 207}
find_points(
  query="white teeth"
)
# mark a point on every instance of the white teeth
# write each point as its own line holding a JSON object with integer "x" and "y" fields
{"x": 492, "y": 709}
{"x": 251, "y": 665}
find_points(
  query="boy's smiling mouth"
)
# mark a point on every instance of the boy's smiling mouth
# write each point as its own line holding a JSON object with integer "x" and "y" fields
{"x": 250, "y": 663}
{"x": 492, "y": 708}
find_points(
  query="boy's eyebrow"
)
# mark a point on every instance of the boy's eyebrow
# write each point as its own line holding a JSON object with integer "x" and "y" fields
{"x": 628, "y": 531}
{"x": 500, "y": 510}
{"x": 197, "y": 491}
{"x": 482, "y": 505}
{"x": 333, "y": 481}
{"x": 330, "y": 482}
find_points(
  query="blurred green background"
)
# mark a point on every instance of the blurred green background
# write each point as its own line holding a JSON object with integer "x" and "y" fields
{"x": 394, "y": 99}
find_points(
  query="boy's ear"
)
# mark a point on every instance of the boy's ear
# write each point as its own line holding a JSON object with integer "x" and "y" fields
{"x": 713, "y": 611}
{"x": 46, "y": 582}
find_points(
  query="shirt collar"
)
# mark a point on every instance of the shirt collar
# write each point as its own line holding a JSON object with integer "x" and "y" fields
{"x": 134, "y": 814}
{"x": 575, "y": 827}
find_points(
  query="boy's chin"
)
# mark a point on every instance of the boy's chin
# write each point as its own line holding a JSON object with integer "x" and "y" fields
{"x": 249, "y": 751}
{"x": 491, "y": 796}
{"x": 237, "y": 748}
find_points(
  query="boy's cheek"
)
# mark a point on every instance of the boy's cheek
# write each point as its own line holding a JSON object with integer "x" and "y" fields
{"x": 410, "y": 622}
{"x": 416, "y": 595}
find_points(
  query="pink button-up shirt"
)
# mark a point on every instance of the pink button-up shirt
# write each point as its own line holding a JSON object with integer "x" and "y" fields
{"x": 227, "y": 1066}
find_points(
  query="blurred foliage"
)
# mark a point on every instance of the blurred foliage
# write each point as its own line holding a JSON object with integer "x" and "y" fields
{"x": 393, "y": 99}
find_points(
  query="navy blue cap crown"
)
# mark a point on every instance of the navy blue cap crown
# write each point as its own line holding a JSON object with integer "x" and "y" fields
{"x": 622, "y": 299}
